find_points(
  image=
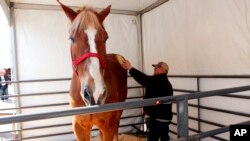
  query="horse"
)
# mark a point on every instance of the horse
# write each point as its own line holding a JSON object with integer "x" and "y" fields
{"x": 98, "y": 78}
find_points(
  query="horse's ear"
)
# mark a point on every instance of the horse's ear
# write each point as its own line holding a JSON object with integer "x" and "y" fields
{"x": 71, "y": 14}
{"x": 104, "y": 13}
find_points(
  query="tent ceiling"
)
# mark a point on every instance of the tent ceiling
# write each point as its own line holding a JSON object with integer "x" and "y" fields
{"x": 130, "y": 5}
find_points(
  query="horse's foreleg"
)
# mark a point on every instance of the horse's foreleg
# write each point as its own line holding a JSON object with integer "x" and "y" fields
{"x": 110, "y": 132}
{"x": 115, "y": 136}
{"x": 81, "y": 133}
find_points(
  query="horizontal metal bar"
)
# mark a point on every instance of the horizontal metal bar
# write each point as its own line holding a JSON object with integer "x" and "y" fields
{"x": 206, "y": 121}
{"x": 135, "y": 97}
{"x": 194, "y": 130}
{"x": 47, "y": 135}
{"x": 75, "y": 111}
{"x": 58, "y": 134}
{"x": 116, "y": 106}
{"x": 191, "y": 129}
{"x": 213, "y": 132}
{"x": 134, "y": 87}
{"x": 210, "y": 76}
{"x": 173, "y": 132}
{"x": 218, "y": 138}
{"x": 36, "y": 106}
{"x": 43, "y": 93}
{"x": 66, "y": 124}
{"x": 237, "y": 96}
{"x": 48, "y": 93}
{"x": 182, "y": 90}
{"x": 134, "y": 116}
{"x": 37, "y": 80}
{"x": 218, "y": 92}
{"x": 221, "y": 110}
{"x": 201, "y": 120}
{"x": 57, "y": 7}
{"x": 177, "y": 76}
{"x": 47, "y": 105}
{"x": 208, "y": 133}
{"x": 153, "y": 6}
{"x": 37, "y": 94}
{"x": 39, "y": 127}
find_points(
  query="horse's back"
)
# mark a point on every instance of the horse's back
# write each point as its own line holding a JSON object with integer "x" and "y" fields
{"x": 116, "y": 77}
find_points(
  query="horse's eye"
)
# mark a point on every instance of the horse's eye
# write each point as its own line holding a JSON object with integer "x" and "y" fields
{"x": 72, "y": 39}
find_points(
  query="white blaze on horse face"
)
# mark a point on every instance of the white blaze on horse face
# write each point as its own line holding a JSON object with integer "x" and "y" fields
{"x": 94, "y": 68}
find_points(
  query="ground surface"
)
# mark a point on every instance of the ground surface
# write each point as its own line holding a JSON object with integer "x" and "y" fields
{"x": 126, "y": 137}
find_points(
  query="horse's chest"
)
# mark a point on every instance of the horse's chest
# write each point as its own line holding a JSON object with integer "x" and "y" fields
{"x": 99, "y": 119}
{"x": 92, "y": 119}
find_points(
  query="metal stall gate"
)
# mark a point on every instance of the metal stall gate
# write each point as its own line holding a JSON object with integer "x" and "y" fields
{"x": 48, "y": 129}
{"x": 185, "y": 122}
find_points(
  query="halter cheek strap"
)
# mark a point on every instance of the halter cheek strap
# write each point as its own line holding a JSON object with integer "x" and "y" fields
{"x": 85, "y": 56}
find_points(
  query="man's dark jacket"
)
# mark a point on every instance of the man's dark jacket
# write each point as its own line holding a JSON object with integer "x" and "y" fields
{"x": 156, "y": 86}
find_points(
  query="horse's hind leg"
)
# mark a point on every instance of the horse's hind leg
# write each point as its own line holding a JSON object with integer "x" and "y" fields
{"x": 81, "y": 133}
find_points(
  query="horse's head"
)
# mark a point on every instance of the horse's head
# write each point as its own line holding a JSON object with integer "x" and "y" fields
{"x": 88, "y": 51}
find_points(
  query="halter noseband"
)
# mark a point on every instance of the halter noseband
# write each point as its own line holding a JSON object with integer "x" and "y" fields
{"x": 84, "y": 57}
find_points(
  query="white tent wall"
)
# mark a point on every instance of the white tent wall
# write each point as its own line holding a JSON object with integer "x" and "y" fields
{"x": 5, "y": 36}
{"x": 189, "y": 35}
{"x": 43, "y": 52}
{"x": 198, "y": 37}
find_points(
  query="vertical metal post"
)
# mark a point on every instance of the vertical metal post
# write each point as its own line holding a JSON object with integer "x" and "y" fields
{"x": 198, "y": 109}
{"x": 182, "y": 115}
{"x": 140, "y": 41}
{"x": 141, "y": 57}
{"x": 15, "y": 64}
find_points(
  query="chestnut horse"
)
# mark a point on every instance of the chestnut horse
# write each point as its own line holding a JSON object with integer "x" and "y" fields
{"x": 98, "y": 78}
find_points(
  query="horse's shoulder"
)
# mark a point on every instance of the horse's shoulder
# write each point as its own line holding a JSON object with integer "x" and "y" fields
{"x": 114, "y": 63}
{"x": 115, "y": 58}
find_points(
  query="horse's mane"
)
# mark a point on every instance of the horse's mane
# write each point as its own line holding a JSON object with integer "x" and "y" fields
{"x": 87, "y": 17}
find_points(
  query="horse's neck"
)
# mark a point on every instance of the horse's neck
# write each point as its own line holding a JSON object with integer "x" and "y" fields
{"x": 115, "y": 79}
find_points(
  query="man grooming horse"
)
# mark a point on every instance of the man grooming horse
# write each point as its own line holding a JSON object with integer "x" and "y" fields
{"x": 157, "y": 85}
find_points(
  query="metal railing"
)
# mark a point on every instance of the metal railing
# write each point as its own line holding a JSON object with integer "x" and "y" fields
{"x": 199, "y": 80}
{"x": 181, "y": 100}
{"x": 20, "y": 129}
{"x": 198, "y": 106}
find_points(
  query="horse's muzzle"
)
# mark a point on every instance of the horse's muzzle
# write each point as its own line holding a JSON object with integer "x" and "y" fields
{"x": 90, "y": 98}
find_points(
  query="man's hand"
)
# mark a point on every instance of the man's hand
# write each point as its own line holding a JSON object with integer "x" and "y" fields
{"x": 126, "y": 65}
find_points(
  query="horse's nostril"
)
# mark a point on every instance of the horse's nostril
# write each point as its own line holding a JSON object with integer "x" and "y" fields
{"x": 88, "y": 97}
{"x": 86, "y": 94}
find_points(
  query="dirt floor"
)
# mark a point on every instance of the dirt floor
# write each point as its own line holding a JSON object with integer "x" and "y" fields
{"x": 126, "y": 137}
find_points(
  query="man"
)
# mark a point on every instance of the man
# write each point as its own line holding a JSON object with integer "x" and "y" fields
{"x": 157, "y": 85}
{"x": 3, "y": 85}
